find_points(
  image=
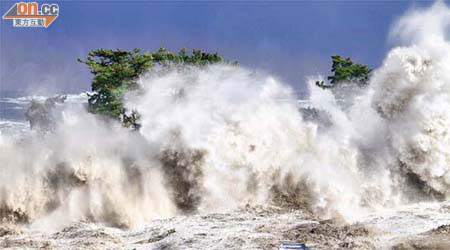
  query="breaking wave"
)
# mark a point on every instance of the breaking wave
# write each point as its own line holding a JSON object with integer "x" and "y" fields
{"x": 222, "y": 137}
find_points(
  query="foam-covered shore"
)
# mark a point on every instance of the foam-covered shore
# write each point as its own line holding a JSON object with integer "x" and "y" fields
{"x": 252, "y": 227}
{"x": 248, "y": 228}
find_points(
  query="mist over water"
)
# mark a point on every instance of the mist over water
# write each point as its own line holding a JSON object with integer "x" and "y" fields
{"x": 221, "y": 137}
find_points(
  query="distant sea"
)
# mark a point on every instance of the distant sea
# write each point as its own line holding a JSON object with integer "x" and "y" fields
{"x": 14, "y": 104}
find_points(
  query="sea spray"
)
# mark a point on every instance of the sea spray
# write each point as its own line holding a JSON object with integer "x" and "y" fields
{"x": 211, "y": 139}
{"x": 411, "y": 91}
{"x": 254, "y": 142}
{"x": 86, "y": 170}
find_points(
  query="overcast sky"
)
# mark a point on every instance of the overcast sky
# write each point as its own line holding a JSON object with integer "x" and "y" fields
{"x": 288, "y": 39}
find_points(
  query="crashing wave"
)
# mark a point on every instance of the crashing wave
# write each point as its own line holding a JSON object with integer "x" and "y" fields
{"x": 219, "y": 137}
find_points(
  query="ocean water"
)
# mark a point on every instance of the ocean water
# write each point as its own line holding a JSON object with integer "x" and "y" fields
{"x": 14, "y": 104}
{"x": 12, "y": 112}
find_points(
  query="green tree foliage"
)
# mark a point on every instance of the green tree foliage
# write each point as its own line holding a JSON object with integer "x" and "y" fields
{"x": 346, "y": 71}
{"x": 116, "y": 71}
